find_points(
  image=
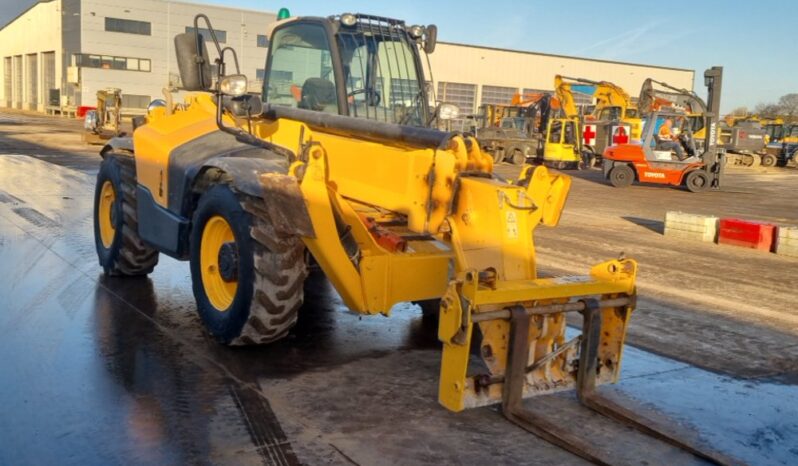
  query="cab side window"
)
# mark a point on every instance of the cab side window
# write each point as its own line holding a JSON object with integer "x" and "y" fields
{"x": 301, "y": 73}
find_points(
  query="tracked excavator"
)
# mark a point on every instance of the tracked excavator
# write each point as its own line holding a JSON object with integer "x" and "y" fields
{"x": 338, "y": 157}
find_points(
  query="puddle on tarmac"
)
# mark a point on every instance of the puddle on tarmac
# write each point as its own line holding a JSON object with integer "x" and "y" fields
{"x": 753, "y": 420}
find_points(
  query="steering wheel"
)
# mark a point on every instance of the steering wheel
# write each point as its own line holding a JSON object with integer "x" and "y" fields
{"x": 373, "y": 97}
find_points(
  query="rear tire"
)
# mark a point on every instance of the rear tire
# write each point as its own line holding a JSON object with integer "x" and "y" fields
{"x": 518, "y": 157}
{"x": 696, "y": 181}
{"x": 621, "y": 176}
{"x": 119, "y": 248}
{"x": 247, "y": 279}
{"x": 589, "y": 159}
{"x": 769, "y": 160}
{"x": 498, "y": 156}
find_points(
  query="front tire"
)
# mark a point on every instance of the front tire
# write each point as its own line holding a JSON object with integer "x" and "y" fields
{"x": 769, "y": 160}
{"x": 621, "y": 176}
{"x": 247, "y": 279}
{"x": 696, "y": 181}
{"x": 120, "y": 250}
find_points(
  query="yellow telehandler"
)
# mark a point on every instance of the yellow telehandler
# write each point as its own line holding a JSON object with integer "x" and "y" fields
{"x": 338, "y": 157}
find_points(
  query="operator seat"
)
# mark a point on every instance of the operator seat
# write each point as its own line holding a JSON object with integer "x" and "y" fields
{"x": 319, "y": 94}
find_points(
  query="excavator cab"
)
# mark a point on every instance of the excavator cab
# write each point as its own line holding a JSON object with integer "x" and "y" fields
{"x": 562, "y": 148}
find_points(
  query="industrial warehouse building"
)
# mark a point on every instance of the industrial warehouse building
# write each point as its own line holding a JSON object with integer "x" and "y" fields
{"x": 59, "y": 53}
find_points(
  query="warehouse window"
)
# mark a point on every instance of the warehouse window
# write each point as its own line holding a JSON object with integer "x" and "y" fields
{"x": 498, "y": 94}
{"x": 263, "y": 41}
{"x": 128, "y": 26}
{"x": 278, "y": 75}
{"x": 135, "y": 101}
{"x": 462, "y": 95}
{"x": 107, "y": 62}
{"x": 582, "y": 99}
{"x": 221, "y": 36}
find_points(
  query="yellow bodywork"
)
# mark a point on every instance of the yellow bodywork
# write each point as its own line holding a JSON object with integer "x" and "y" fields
{"x": 482, "y": 227}
{"x": 155, "y": 140}
{"x": 469, "y": 240}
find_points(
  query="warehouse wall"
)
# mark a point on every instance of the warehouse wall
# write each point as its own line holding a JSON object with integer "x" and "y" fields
{"x": 465, "y": 75}
{"x": 24, "y": 47}
{"x": 465, "y": 67}
{"x": 166, "y": 19}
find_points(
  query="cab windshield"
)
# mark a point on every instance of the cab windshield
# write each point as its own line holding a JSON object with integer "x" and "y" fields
{"x": 514, "y": 123}
{"x": 381, "y": 74}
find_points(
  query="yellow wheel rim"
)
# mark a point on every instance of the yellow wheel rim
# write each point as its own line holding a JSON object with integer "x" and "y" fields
{"x": 220, "y": 293}
{"x": 105, "y": 213}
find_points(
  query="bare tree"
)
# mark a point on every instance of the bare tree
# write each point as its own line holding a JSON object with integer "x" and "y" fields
{"x": 789, "y": 104}
{"x": 767, "y": 109}
{"x": 740, "y": 111}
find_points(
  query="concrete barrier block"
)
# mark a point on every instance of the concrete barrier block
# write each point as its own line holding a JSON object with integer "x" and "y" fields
{"x": 788, "y": 232}
{"x": 691, "y": 226}
{"x": 787, "y": 242}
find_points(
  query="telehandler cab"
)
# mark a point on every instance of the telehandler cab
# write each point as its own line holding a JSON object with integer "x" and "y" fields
{"x": 337, "y": 157}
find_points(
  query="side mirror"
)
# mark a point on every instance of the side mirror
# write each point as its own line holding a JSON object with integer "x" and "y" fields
{"x": 447, "y": 111}
{"x": 430, "y": 38}
{"x": 193, "y": 62}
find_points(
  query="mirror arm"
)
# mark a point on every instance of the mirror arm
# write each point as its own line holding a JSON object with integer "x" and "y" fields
{"x": 235, "y": 58}
{"x": 247, "y": 137}
{"x": 210, "y": 30}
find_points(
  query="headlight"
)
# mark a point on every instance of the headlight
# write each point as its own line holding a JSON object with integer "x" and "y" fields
{"x": 157, "y": 103}
{"x": 448, "y": 111}
{"x": 348, "y": 19}
{"x": 234, "y": 85}
{"x": 416, "y": 31}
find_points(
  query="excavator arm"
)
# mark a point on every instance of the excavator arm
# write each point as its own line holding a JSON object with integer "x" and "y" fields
{"x": 562, "y": 89}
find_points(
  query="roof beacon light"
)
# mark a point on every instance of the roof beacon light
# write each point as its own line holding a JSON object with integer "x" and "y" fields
{"x": 283, "y": 14}
{"x": 348, "y": 19}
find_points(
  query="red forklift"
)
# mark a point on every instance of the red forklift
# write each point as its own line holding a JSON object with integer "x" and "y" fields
{"x": 648, "y": 163}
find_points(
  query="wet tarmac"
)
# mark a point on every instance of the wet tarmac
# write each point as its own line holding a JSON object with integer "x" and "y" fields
{"x": 119, "y": 371}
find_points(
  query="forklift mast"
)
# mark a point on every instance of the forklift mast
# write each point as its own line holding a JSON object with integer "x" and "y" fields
{"x": 713, "y": 156}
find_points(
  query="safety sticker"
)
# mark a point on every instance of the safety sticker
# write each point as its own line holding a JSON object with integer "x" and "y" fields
{"x": 511, "y": 225}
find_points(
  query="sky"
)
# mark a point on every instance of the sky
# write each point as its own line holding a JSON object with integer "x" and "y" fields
{"x": 755, "y": 42}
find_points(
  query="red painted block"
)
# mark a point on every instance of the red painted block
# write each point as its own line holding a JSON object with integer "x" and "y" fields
{"x": 747, "y": 234}
{"x": 81, "y": 111}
